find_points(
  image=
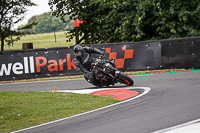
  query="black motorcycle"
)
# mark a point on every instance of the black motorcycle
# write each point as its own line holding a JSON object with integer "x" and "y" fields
{"x": 106, "y": 74}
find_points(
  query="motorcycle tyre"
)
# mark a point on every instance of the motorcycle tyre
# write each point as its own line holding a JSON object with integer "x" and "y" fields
{"x": 125, "y": 79}
{"x": 97, "y": 85}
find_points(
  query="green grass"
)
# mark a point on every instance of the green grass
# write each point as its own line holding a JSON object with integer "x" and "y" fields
{"x": 45, "y": 40}
{"x": 20, "y": 110}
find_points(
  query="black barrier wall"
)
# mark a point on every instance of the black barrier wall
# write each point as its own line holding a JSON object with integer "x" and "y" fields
{"x": 60, "y": 61}
{"x": 181, "y": 53}
{"x": 37, "y": 63}
{"x": 163, "y": 54}
{"x": 134, "y": 56}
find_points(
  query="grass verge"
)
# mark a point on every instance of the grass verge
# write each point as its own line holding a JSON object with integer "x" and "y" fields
{"x": 20, "y": 110}
{"x": 45, "y": 40}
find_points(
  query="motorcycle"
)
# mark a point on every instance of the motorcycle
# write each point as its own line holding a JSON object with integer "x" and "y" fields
{"x": 106, "y": 74}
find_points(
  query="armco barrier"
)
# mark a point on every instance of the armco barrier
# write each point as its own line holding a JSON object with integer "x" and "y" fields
{"x": 60, "y": 61}
{"x": 163, "y": 54}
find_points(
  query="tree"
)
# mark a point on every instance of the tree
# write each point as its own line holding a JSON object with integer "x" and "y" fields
{"x": 49, "y": 23}
{"x": 11, "y": 12}
{"x": 130, "y": 20}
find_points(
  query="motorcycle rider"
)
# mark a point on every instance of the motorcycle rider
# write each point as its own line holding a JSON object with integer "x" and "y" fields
{"x": 83, "y": 59}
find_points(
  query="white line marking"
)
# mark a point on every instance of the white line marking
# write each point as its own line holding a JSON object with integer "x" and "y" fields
{"x": 146, "y": 90}
{"x": 88, "y": 91}
{"x": 178, "y": 126}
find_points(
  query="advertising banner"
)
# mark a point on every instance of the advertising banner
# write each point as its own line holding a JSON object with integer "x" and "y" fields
{"x": 39, "y": 63}
{"x": 134, "y": 56}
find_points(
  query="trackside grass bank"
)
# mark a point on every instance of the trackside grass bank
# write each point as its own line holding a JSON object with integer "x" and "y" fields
{"x": 20, "y": 110}
{"x": 45, "y": 40}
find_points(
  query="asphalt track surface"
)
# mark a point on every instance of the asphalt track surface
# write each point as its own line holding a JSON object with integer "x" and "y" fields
{"x": 173, "y": 100}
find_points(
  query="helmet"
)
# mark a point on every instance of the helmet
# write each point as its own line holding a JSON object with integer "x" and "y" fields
{"x": 78, "y": 50}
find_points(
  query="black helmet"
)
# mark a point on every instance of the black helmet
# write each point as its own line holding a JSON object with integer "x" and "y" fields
{"x": 78, "y": 50}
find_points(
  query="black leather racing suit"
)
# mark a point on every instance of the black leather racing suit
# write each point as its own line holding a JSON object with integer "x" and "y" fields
{"x": 84, "y": 63}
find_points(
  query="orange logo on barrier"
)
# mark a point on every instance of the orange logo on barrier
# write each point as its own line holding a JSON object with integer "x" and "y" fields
{"x": 53, "y": 65}
{"x": 120, "y": 62}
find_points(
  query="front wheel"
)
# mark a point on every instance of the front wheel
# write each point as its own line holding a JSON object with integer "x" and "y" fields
{"x": 125, "y": 79}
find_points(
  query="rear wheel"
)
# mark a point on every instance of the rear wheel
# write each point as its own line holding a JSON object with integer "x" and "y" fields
{"x": 125, "y": 79}
{"x": 96, "y": 83}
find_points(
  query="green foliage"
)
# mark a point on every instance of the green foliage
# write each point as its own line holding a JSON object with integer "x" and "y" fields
{"x": 48, "y": 23}
{"x": 11, "y": 12}
{"x": 130, "y": 20}
{"x": 28, "y": 26}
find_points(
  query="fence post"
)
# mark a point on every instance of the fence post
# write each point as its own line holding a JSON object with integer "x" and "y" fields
{"x": 27, "y": 46}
